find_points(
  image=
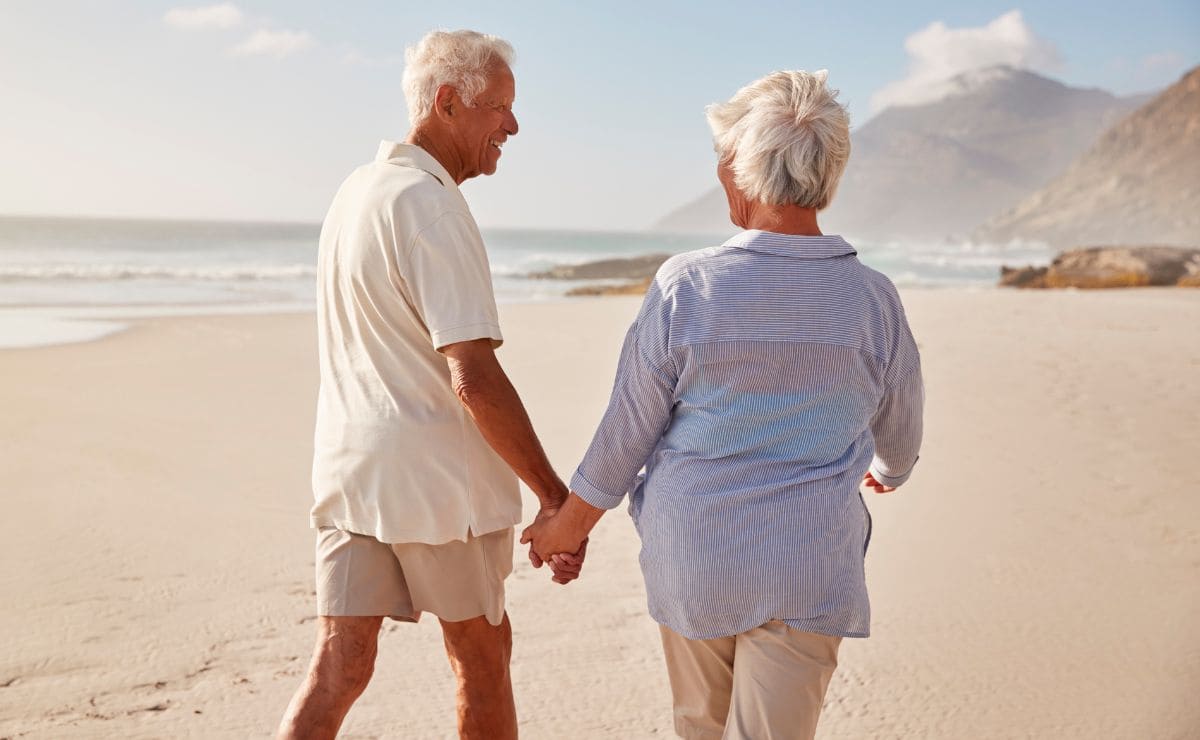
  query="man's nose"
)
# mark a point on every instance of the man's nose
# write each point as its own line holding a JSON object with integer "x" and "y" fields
{"x": 510, "y": 126}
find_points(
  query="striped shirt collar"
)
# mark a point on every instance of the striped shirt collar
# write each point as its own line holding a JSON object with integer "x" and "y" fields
{"x": 789, "y": 245}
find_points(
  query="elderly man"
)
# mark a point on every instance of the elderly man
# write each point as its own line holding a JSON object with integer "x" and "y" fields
{"x": 761, "y": 382}
{"x": 419, "y": 431}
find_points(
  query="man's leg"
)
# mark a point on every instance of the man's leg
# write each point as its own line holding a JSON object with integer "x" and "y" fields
{"x": 479, "y": 654}
{"x": 342, "y": 662}
{"x": 701, "y": 673}
{"x": 779, "y": 682}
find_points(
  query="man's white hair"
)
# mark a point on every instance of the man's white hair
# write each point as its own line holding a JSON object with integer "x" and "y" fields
{"x": 461, "y": 59}
{"x": 786, "y": 138}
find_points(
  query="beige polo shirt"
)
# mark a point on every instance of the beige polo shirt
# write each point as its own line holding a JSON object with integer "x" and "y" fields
{"x": 402, "y": 272}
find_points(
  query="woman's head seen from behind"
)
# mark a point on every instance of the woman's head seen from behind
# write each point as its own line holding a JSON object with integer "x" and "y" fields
{"x": 782, "y": 140}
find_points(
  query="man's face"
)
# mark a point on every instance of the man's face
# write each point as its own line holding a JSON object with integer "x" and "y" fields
{"x": 481, "y": 129}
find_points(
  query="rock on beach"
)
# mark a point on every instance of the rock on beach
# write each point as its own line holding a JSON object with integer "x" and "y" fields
{"x": 637, "y": 271}
{"x": 1111, "y": 267}
{"x": 625, "y": 268}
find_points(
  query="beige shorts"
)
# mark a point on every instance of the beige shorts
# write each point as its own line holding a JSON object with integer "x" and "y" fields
{"x": 359, "y": 576}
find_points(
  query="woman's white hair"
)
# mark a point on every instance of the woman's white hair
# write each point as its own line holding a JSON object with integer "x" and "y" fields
{"x": 461, "y": 59}
{"x": 785, "y": 137}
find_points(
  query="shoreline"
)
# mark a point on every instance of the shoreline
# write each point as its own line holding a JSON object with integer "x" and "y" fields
{"x": 29, "y": 327}
{"x": 39, "y": 325}
{"x": 35, "y": 325}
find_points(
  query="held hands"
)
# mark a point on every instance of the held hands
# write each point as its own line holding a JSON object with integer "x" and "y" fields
{"x": 874, "y": 485}
{"x": 556, "y": 541}
{"x": 565, "y": 566}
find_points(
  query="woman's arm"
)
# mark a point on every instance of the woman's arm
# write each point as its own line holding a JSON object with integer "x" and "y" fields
{"x": 638, "y": 413}
{"x": 897, "y": 428}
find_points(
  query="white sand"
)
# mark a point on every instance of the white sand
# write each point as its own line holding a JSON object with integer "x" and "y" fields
{"x": 1039, "y": 576}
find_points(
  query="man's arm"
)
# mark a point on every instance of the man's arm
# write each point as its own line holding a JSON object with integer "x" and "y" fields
{"x": 489, "y": 397}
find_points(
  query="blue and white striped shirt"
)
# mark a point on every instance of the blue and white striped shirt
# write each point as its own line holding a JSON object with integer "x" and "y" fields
{"x": 758, "y": 383}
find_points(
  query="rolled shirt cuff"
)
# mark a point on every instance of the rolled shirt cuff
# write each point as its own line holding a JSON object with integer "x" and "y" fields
{"x": 443, "y": 337}
{"x": 594, "y": 496}
{"x": 892, "y": 481}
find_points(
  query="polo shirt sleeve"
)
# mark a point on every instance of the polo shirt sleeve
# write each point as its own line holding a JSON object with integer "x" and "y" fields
{"x": 451, "y": 282}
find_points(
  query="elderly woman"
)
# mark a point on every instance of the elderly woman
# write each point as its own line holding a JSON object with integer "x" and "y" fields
{"x": 762, "y": 382}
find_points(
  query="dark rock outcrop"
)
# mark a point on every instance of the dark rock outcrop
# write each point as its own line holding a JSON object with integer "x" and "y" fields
{"x": 638, "y": 287}
{"x": 1111, "y": 267}
{"x": 625, "y": 268}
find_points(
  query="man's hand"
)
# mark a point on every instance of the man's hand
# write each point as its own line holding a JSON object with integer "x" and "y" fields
{"x": 870, "y": 482}
{"x": 545, "y": 514}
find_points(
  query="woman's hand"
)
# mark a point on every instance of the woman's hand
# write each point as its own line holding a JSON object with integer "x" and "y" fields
{"x": 870, "y": 482}
{"x": 558, "y": 536}
{"x": 551, "y": 534}
{"x": 566, "y": 566}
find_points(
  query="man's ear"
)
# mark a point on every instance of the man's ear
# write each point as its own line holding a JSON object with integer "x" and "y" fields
{"x": 446, "y": 102}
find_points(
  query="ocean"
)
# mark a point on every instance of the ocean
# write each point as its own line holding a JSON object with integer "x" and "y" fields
{"x": 66, "y": 279}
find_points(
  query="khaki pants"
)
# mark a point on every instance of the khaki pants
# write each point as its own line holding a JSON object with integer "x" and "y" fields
{"x": 763, "y": 684}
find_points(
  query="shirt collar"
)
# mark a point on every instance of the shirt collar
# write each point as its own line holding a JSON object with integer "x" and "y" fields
{"x": 411, "y": 155}
{"x": 790, "y": 245}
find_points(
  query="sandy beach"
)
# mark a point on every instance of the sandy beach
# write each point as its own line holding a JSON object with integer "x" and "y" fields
{"x": 1039, "y": 577}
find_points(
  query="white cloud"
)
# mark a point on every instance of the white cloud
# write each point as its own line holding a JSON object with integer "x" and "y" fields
{"x": 278, "y": 44}
{"x": 936, "y": 53}
{"x": 225, "y": 15}
{"x": 1166, "y": 60}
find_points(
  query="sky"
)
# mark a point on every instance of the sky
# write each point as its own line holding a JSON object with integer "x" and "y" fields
{"x": 249, "y": 110}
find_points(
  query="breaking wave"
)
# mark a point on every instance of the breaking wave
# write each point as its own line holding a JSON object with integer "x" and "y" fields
{"x": 228, "y": 273}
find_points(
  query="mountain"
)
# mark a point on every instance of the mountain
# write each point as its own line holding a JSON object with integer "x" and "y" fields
{"x": 939, "y": 169}
{"x": 1139, "y": 183}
